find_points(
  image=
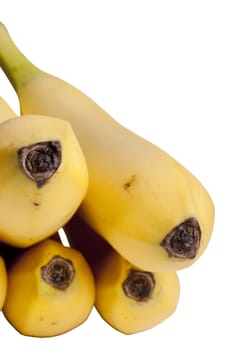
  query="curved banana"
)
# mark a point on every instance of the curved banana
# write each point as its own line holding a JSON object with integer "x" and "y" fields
{"x": 149, "y": 207}
{"x": 50, "y": 290}
{"x": 6, "y": 112}
{"x": 43, "y": 178}
{"x": 132, "y": 300}
{"x": 3, "y": 282}
{"x": 129, "y": 299}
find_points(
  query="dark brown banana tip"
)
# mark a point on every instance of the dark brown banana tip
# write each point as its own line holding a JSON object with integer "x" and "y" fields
{"x": 183, "y": 241}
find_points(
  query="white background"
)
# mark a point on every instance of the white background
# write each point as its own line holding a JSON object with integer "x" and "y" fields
{"x": 164, "y": 70}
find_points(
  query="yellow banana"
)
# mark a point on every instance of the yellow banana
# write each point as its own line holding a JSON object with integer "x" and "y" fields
{"x": 149, "y": 207}
{"x": 133, "y": 300}
{"x": 43, "y": 178}
{"x": 3, "y": 282}
{"x": 6, "y": 112}
{"x": 50, "y": 290}
{"x": 129, "y": 299}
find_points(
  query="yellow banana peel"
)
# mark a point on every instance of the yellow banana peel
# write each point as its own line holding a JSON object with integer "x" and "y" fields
{"x": 148, "y": 206}
{"x": 50, "y": 290}
{"x": 129, "y": 299}
{"x": 40, "y": 157}
{"x": 132, "y": 300}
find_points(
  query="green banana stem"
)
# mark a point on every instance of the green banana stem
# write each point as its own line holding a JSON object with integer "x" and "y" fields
{"x": 14, "y": 64}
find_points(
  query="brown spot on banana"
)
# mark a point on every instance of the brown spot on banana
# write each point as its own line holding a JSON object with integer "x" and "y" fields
{"x": 127, "y": 185}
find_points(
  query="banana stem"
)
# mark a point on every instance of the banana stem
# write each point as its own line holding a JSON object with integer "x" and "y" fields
{"x": 12, "y": 60}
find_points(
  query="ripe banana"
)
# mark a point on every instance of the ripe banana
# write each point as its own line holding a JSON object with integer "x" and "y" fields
{"x": 132, "y": 300}
{"x": 40, "y": 160}
{"x": 50, "y": 290}
{"x": 6, "y": 112}
{"x": 3, "y": 282}
{"x": 149, "y": 207}
{"x": 129, "y": 299}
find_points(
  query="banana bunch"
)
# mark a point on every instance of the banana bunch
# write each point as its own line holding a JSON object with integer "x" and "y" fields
{"x": 133, "y": 215}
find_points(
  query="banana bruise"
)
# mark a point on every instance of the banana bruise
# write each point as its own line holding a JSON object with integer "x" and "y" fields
{"x": 148, "y": 206}
{"x": 50, "y": 290}
{"x": 40, "y": 157}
